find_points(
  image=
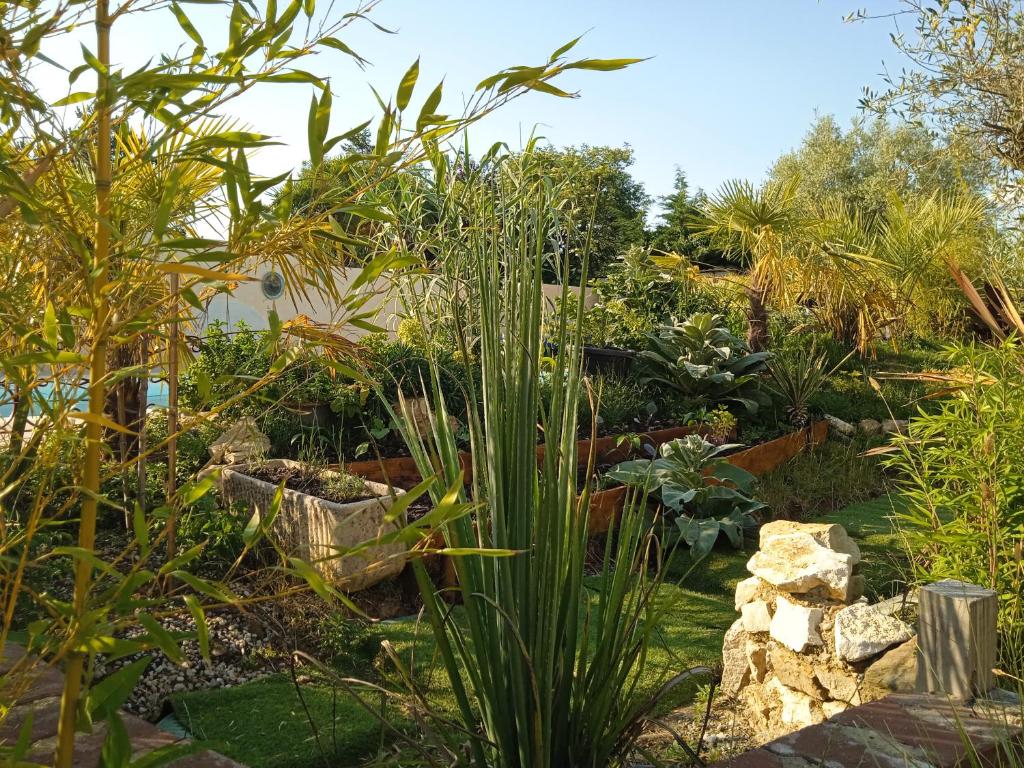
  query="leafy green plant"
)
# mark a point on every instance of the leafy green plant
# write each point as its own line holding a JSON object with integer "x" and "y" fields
{"x": 797, "y": 377}
{"x": 960, "y": 471}
{"x": 543, "y": 669}
{"x": 709, "y": 495}
{"x": 719, "y": 424}
{"x": 703, "y": 360}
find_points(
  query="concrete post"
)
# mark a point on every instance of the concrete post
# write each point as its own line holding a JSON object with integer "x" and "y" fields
{"x": 956, "y": 639}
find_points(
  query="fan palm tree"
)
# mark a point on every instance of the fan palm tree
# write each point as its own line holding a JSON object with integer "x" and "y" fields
{"x": 760, "y": 228}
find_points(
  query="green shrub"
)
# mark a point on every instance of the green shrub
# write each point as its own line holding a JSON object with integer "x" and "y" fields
{"x": 960, "y": 471}
{"x": 708, "y": 495}
{"x": 704, "y": 361}
{"x": 347, "y": 643}
{"x": 828, "y": 478}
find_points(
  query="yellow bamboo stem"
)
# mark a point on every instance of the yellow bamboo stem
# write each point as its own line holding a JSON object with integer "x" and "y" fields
{"x": 172, "y": 420}
{"x": 75, "y": 663}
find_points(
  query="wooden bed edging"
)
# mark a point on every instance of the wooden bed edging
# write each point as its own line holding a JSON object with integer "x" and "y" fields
{"x": 401, "y": 471}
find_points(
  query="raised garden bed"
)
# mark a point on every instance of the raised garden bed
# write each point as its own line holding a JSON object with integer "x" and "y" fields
{"x": 401, "y": 471}
{"x": 606, "y": 504}
{"x": 314, "y": 529}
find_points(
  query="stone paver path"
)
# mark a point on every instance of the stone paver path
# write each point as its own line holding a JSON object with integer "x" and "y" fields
{"x": 899, "y": 731}
{"x": 41, "y": 698}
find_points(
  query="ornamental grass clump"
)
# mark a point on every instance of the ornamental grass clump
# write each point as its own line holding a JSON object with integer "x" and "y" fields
{"x": 544, "y": 665}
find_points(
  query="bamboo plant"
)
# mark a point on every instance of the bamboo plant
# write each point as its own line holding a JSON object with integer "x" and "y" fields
{"x": 85, "y": 269}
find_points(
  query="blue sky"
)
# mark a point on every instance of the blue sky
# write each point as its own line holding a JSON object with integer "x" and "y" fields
{"x": 730, "y": 84}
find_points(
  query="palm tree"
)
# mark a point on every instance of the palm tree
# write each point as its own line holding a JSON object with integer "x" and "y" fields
{"x": 759, "y": 227}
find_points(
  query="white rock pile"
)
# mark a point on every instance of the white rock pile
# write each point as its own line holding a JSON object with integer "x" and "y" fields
{"x": 807, "y": 645}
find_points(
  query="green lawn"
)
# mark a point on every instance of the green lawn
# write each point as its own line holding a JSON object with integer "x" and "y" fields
{"x": 264, "y": 724}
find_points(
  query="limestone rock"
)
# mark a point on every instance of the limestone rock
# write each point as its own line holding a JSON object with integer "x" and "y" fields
{"x": 756, "y": 616}
{"x": 894, "y": 426}
{"x": 757, "y": 660}
{"x": 798, "y": 709}
{"x": 869, "y": 427}
{"x": 795, "y": 625}
{"x": 747, "y": 590}
{"x": 830, "y": 535}
{"x": 833, "y": 708}
{"x": 895, "y": 672}
{"x": 241, "y": 442}
{"x": 844, "y": 428}
{"x": 735, "y": 665}
{"x": 797, "y": 563}
{"x": 842, "y": 684}
{"x": 795, "y": 671}
{"x": 862, "y": 632}
{"x": 418, "y": 411}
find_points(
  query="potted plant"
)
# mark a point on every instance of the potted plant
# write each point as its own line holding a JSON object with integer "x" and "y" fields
{"x": 322, "y": 515}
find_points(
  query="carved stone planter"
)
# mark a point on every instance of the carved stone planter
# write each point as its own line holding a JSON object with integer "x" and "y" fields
{"x": 313, "y": 529}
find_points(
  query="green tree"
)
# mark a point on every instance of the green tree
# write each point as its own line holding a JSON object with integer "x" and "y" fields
{"x": 598, "y": 179}
{"x": 679, "y": 231}
{"x": 866, "y": 165}
{"x": 967, "y": 64}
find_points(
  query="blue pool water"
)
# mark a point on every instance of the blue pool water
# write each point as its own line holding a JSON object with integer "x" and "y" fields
{"x": 157, "y": 395}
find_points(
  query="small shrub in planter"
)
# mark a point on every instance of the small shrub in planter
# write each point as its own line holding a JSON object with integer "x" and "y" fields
{"x": 322, "y": 514}
{"x": 708, "y": 495}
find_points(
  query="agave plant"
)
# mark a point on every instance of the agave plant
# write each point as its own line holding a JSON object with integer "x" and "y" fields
{"x": 702, "y": 359}
{"x": 709, "y": 495}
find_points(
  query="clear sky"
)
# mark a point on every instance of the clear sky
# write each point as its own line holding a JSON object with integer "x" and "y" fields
{"x": 730, "y": 84}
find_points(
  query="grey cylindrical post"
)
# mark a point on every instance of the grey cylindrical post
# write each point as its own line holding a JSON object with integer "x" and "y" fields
{"x": 956, "y": 639}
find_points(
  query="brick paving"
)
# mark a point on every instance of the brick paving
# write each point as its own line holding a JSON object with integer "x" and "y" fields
{"x": 38, "y": 693}
{"x": 899, "y": 731}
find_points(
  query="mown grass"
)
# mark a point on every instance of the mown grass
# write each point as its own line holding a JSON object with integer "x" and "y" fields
{"x": 265, "y": 725}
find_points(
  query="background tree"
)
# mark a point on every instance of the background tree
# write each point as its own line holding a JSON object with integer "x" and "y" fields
{"x": 967, "y": 64}
{"x": 679, "y": 231}
{"x": 864, "y": 166}
{"x": 598, "y": 175}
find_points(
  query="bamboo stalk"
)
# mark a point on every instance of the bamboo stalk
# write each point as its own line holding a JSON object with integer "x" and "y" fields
{"x": 140, "y": 466}
{"x": 75, "y": 664}
{"x": 172, "y": 419}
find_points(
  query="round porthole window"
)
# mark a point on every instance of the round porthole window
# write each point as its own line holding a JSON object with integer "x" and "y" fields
{"x": 272, "y": 284}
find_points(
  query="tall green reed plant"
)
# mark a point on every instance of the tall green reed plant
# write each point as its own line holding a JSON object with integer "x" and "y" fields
{"x": 959, "y": 469}
{"x": 544, "y": 663}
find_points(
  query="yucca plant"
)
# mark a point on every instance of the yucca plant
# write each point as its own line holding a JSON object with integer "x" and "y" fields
{"x": 545, "y": 664}
{"x": 797, "y": 377}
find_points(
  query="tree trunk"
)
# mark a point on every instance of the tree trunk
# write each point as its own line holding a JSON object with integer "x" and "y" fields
{"x": 757, "y": 316}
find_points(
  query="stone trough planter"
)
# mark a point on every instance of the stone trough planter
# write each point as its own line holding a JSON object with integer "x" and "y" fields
{"x": 313, "y": 529}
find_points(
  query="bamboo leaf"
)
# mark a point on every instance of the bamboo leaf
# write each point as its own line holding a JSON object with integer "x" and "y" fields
{"x": 186, "y": 25}
{"x": 405, "y": 88}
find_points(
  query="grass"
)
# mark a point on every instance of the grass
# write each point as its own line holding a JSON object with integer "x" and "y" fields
{"x": 884, "y": 565}
{"x": 263, "y": 724}
{"x": 827, "y": 479}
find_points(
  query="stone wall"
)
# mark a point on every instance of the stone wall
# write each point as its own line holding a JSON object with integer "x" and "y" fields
{"x": 807, "y": 645}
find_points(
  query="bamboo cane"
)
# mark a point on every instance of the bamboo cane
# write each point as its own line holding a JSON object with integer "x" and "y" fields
{"x": 75, "y": 663}
{"x": 172, "y": 419}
